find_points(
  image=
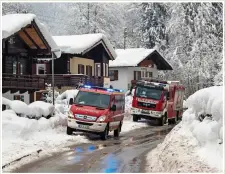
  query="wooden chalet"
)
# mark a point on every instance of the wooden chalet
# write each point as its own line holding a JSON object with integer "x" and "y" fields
{"x": 24, "y": 41}
{"x": 84, "y": 58}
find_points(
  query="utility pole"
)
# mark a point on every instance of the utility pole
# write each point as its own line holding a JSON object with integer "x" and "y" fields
{"x": 53, "y": 80}
{"x": 125, "y": 35}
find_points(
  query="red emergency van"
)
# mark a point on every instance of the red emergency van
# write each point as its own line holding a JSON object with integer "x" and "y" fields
{"x": 160, "y": 100}
{"x": 97, "y": 110}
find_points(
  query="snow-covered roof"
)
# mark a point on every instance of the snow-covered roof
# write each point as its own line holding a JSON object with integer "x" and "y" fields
{"x": 13, "y": 23}
{"x": 133, "y": 56}
{"x": 80, "y": 44}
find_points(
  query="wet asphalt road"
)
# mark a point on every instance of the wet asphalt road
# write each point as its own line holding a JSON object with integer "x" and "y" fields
{"x": 123, "y": 155}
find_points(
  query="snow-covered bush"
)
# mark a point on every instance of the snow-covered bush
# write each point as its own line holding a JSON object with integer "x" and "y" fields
{"x": 35, "y": 110}
{"x": 49, "y": 96}
{"x": 20, "y": 107}
{"x": 40, "y": 108}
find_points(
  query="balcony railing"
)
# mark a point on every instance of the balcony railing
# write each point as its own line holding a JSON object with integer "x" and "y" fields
{"x": 72, "y": 79}
{"x": 37, "y": 82}
{"x": 14, "y": 81}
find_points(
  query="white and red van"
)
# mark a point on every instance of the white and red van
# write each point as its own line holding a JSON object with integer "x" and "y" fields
{"x": 97, "y": 110}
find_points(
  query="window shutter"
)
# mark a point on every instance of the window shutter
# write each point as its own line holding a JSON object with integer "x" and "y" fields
{"x": 90, "y": 70}
{"x": 107, "y": 70}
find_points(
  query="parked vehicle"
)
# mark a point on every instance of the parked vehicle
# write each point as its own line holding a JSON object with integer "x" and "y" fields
{"x": 97, "y": 110}
{"x": 160, "y": 100}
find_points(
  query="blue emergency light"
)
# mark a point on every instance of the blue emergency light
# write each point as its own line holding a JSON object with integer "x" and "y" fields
{"x": 87, "y": 86}
{"x": 101, "y": 88}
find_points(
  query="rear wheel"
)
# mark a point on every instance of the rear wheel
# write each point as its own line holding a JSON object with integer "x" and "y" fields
{"x": 104, "y": 135}
{"x": 69, "y": 131}
{"x": 135, "y": 118}
{"x": 117, "y": 131}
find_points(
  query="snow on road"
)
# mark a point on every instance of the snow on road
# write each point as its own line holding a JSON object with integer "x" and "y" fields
{"x": 193, "y": 145}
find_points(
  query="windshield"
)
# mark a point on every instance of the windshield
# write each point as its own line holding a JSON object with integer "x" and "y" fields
{"x": 92, "y": 99}
{"x": 148, "y": 93}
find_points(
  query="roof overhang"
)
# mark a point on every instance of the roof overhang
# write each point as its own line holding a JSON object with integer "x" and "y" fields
{"x": 160, "y": 62}
{"x": 95, "y": 45}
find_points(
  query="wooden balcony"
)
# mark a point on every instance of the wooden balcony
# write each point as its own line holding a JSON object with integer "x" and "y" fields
{"x": 20, "y": 82}
{"x": 72, "y": 79}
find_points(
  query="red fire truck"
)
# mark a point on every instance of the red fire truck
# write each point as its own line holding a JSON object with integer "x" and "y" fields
{"x": 159, "y": 100}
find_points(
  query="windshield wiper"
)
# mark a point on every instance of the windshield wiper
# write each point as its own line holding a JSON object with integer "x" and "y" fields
{"x": 100, "y": 108}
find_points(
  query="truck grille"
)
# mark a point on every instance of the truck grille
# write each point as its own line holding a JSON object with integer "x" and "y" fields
{"x": 146, "y": 105}
{"x": 89, "y": 124}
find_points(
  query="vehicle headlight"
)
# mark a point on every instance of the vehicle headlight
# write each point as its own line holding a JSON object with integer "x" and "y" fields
{"x": 70, "y": 115}
{"x": 101, "y": 118}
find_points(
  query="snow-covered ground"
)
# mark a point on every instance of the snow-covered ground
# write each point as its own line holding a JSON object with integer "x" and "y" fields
{"x": 23, "y": 136}
{"x": 193, "y": 145}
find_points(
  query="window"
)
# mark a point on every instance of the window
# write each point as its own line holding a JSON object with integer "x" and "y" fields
{"x": 41, "y": 68}
{"x": 148, "y": 74}
{"x": 148, "y": 93}
{"x": 93, "y": 99}
{"x": 14, "y": 67}
{"x": 137, "y": 75}
{"x": 89, "y": 70}
{"x": 142, "y": 74}
{"x": 18, "y": 97}
{"x": 113, "y": 75}
{"x": 104, "y": 69}
{"x": 80, "y": 69}
{"x": 107, "y": 70}
{"x": 97, "y": 69}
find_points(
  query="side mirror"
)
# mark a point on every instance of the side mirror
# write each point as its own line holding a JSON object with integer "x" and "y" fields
{"x": 167, "y": 97}
{"x": 113, "y": 108}
{"x": 71, "y": 101}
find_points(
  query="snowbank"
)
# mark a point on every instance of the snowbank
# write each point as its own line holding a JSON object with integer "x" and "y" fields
{"x": 36, "y": 109}
{"x": 194, "y": 145}
{"x": 6, "y": 101}
{"x": 177, "y": 154}
{"x": 22, "y": 136}
{"x": 128, "y": 103}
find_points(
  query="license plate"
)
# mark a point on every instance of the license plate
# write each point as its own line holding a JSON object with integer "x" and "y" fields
{"x": 145, "y": 112}
{"x": 83, "y": 126}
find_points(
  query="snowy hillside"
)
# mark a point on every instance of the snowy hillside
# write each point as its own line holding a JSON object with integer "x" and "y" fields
{"x": 194, "y": 145}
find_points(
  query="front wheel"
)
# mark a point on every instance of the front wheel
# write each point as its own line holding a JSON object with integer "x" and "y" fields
{"x": 135, "y": 118}
{"x": 69, "y": 131}
{"x": 104, "y": 135}
{"x": 162, "y": 120}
